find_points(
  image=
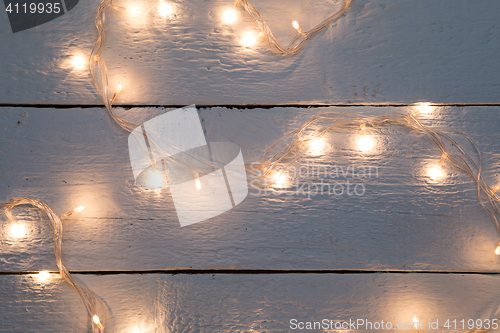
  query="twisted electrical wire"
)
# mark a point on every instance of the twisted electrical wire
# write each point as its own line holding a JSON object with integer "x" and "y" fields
{"x": 297, "y": 147}
{"x": 88, "y": 298}
{"x": 99, "y": 74}
{"x": 294, "y": 145}
{"x": 302, "y": 37}
{"x": 99, "y": 71}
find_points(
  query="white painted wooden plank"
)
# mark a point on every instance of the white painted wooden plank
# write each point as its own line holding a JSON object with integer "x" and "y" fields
{"x": 72, "y": 157}
{"x": 236, "y": 303}
{"x": 380, "y": 51}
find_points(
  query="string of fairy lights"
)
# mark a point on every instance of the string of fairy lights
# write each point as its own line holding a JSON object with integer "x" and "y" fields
{"x": 89, "y": 300}
{"x": 99, "y": 74}
{"x": 309, "y": 137}
{"x": 278, "y": 157}
{"x": 97, "y": 64}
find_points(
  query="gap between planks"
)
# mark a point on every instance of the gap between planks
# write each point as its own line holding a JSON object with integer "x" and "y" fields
{"x": 232, "y": 106}
{"x": 249, "y": 271}
{"x": 192, "y": 271}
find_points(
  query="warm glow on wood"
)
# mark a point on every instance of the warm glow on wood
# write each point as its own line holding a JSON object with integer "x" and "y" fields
{"x": 229, "y": 16}
{"x": 435, "y": 172}
{"x": 248, "y": 39}
{"x": 365, "y": 143}
{"x": 17, "y": 230}
{"x": 44, "y": 275}
{"x": 165, "y": 9}
{"x": 79, "y": 62}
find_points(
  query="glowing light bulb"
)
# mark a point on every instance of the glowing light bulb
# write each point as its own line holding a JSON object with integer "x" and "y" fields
{"x": 79, "y": 62}
{"x": 119, "y": 88}
{"x": 96, "y": 320}
{"x": 435, "y": 172}
{"x": 79, "y": 209}
{"x": 496, "y": 189}
{"x": 133, "y": 11}
{"x": 248, "y": 39}
{"x": 154, "y": 180}
{"x": 415, "y": 322}
{"x": 229, "y": 16}
{"x": 165, "y": 9}
{"x": 117, "y": 91}
{"x": 198, "y": 183}
{"x": 17, "y": 230}
{"x": 497, "y": 250}
{"x": 296, "y": 25}
{"x": 279, "y": 179}
{"x": 317, "y": 146}
{"x": 74, "y": 211}
{"x": 43, "y": 275}
{"x": 424, "y": 108}
{"x": 365, "y": 143}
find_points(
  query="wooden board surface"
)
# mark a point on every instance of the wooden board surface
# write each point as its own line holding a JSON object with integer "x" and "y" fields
{"x": 405, "y": 220}
{"x": 248, "y": 303}
{"x": 380, "y": 51}
{"x": 69, "y": 153}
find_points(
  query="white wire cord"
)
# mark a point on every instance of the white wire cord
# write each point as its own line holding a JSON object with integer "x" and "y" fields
{"x": 289, "y": 149}
{"x": 88, "y": 298}
{"x": 295, "y": 148}
{"x": 99, "y": 72}
{"x": 302, "y": 37}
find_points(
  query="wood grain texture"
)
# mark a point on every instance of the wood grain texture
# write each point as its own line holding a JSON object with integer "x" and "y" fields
{"x": 232, "y": 303}
{"x": 404, "y": 221}
{"x": 380, "y": 51}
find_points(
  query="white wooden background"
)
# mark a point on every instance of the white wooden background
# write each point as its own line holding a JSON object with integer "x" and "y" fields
{"x": 410, "y": 246}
